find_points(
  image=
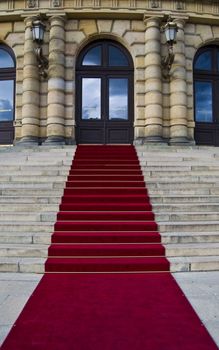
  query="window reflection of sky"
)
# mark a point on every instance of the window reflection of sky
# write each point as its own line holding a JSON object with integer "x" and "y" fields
{"x": 93, "y": 57}
{"x": 91, "y": 88}
{"x": 203, "y": 62}
{"x": 116, "y": 57}
{"x": 203, "y": 101}
{"x": 6, "y": 100}
{"x": 118, "y": 99}
{"x": 6, "y": 60}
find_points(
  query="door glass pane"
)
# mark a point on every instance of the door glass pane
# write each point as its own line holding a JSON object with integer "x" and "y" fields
{"x": 204, "y": 61}
{"x": 91, "y": 98}
{"x": 203, "y": 102}
{"x": 92, "y": 57}
{"x": 117, "y": 57}
{"x": 118, "y": 99}
{"x": 6, "y": 100}
{"x": 6, "y": 60}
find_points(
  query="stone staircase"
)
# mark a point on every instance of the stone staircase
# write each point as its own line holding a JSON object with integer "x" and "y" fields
{"x": 184, "y": 187}
{"x": 31, "y": 184}
{"x": 183, "y": 184}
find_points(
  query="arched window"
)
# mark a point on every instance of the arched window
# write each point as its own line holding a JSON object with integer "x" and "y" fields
{"x": 7, "y": 94}
{"x": 206, "y": 96}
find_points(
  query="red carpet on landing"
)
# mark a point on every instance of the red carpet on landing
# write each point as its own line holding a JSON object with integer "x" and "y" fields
{"x": 107, "y": 284}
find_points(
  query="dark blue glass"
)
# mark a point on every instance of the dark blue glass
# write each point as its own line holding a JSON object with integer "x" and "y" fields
{"x": 6, "y": 100}
{"x": 117, "y": 57}
{"x": 118, "y": 98}
{"x": 6, "y": 60}
{"x": 203, "y": 102}
{"x": 204, "y": 61}
{"x": 92, "y": 57}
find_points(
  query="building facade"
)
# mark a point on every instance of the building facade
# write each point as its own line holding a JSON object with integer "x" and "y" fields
{"x": 105, "y": 81}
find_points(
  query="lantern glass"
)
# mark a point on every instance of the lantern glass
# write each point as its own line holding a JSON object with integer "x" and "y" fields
{"x": 170, "y": 32}
{"x": 38, "y": 29}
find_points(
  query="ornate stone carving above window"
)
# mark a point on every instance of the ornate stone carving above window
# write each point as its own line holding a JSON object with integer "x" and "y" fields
{"x": 32, "y": 4}
{"x": 56, "y": 3}
{"x": 180, "y": 5}
{"x": 155, "y": 3}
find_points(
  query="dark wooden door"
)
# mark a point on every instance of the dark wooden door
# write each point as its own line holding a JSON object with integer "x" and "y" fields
{"x": 206, "y": 96}
{"x": 104, "y": 95}
{"x": 7, "y": 95}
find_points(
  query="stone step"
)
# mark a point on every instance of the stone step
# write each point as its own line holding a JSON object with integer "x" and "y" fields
{"x": 190, "y": 237}
{"x": 170, "y": 199}
{"x": 25, "y": 226}
{"x": 184, "y": 179}
{"x": 28, "y": 207}
{"x": 192, "y": 249}
{"x": 21, "y": 250}
{"x": 180, "y": 174}
{"x": 27, "y": 237}
{"x": 31, "y": 185}
{"x": 24, "y": 265}
{"x": 32, "y": 192}
{"x": 34, "y": 171}
{"x": 186, "y": 207}
{"x": 30, "y": 199}
{"x": 28, "y": 216}
{"x": 187, "y": 226}
{"x": 185, "y": 191}
{"x": 195, "y": 263}
{"x": 187, "y": 216}
{"x": 16, "y": 179}
{"x": 151, "y": 184}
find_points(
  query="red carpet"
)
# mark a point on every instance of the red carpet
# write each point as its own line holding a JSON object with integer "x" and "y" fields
{"x": 107, "y": 285}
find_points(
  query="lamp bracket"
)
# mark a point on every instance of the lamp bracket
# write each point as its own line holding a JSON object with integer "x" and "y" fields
{"x": 42, "y": 61}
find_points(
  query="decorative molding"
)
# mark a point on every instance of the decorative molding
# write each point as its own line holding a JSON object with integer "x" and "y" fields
{"x": 78, "y": 3}
{"x": 215, "y": 7}
{"x": 180, "y": 5}
{"x": 199, "y": 6}
{"x": 10, "y": 4}
{"x": 155, "y": 4}
{"x": 114, "y": 3}
{"x": 96, "y": 3}
{"x": 32, "y": 4}
{"x": 132, "y": 4}
{"x": 56, "y": 3}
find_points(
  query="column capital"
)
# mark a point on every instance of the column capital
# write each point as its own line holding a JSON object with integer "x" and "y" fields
{"x": 57, "y": 19}
{"x": 181, "y": 21}
{"x": 152, "y": 21}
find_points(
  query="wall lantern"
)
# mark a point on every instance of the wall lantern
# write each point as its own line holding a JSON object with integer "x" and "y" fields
{"x": 170, "y": 30}
{"x": 38, "y": 30}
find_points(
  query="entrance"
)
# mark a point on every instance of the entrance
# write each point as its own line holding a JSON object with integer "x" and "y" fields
{"x": 104, "y": 94}
{"x": 206, "y": 88}
{"x": 7, "y": 93}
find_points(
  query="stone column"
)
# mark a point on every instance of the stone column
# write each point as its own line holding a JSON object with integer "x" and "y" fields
{"x": 178, "y": 90}
{"x": 153, "y": 82}
{"x": 31, "y": 87}
{"x": 56, "y": 82}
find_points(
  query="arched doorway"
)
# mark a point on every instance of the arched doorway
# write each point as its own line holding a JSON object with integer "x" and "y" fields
{"x": 104, "y": 94}
{"x": 7, "y": 94}
{"x": 206, "y": 96}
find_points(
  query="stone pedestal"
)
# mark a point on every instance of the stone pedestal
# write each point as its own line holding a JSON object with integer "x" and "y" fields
{"x": 31, "y": 88}
{"x": 153, "y": 82}
{"x": 56, "y": 82}
{"x": 178, "y": 91}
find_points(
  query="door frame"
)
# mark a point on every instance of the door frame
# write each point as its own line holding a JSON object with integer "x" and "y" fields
{"x": 207, "y": 133}
{"x": 104, "y": 72}
{"x": 9, "y": 73}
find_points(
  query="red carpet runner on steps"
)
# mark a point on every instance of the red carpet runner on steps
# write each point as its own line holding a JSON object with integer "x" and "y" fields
{"x": 107, "y": 285}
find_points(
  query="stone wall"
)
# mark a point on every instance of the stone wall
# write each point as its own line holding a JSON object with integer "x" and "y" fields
{"x": 45, "y": 108}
